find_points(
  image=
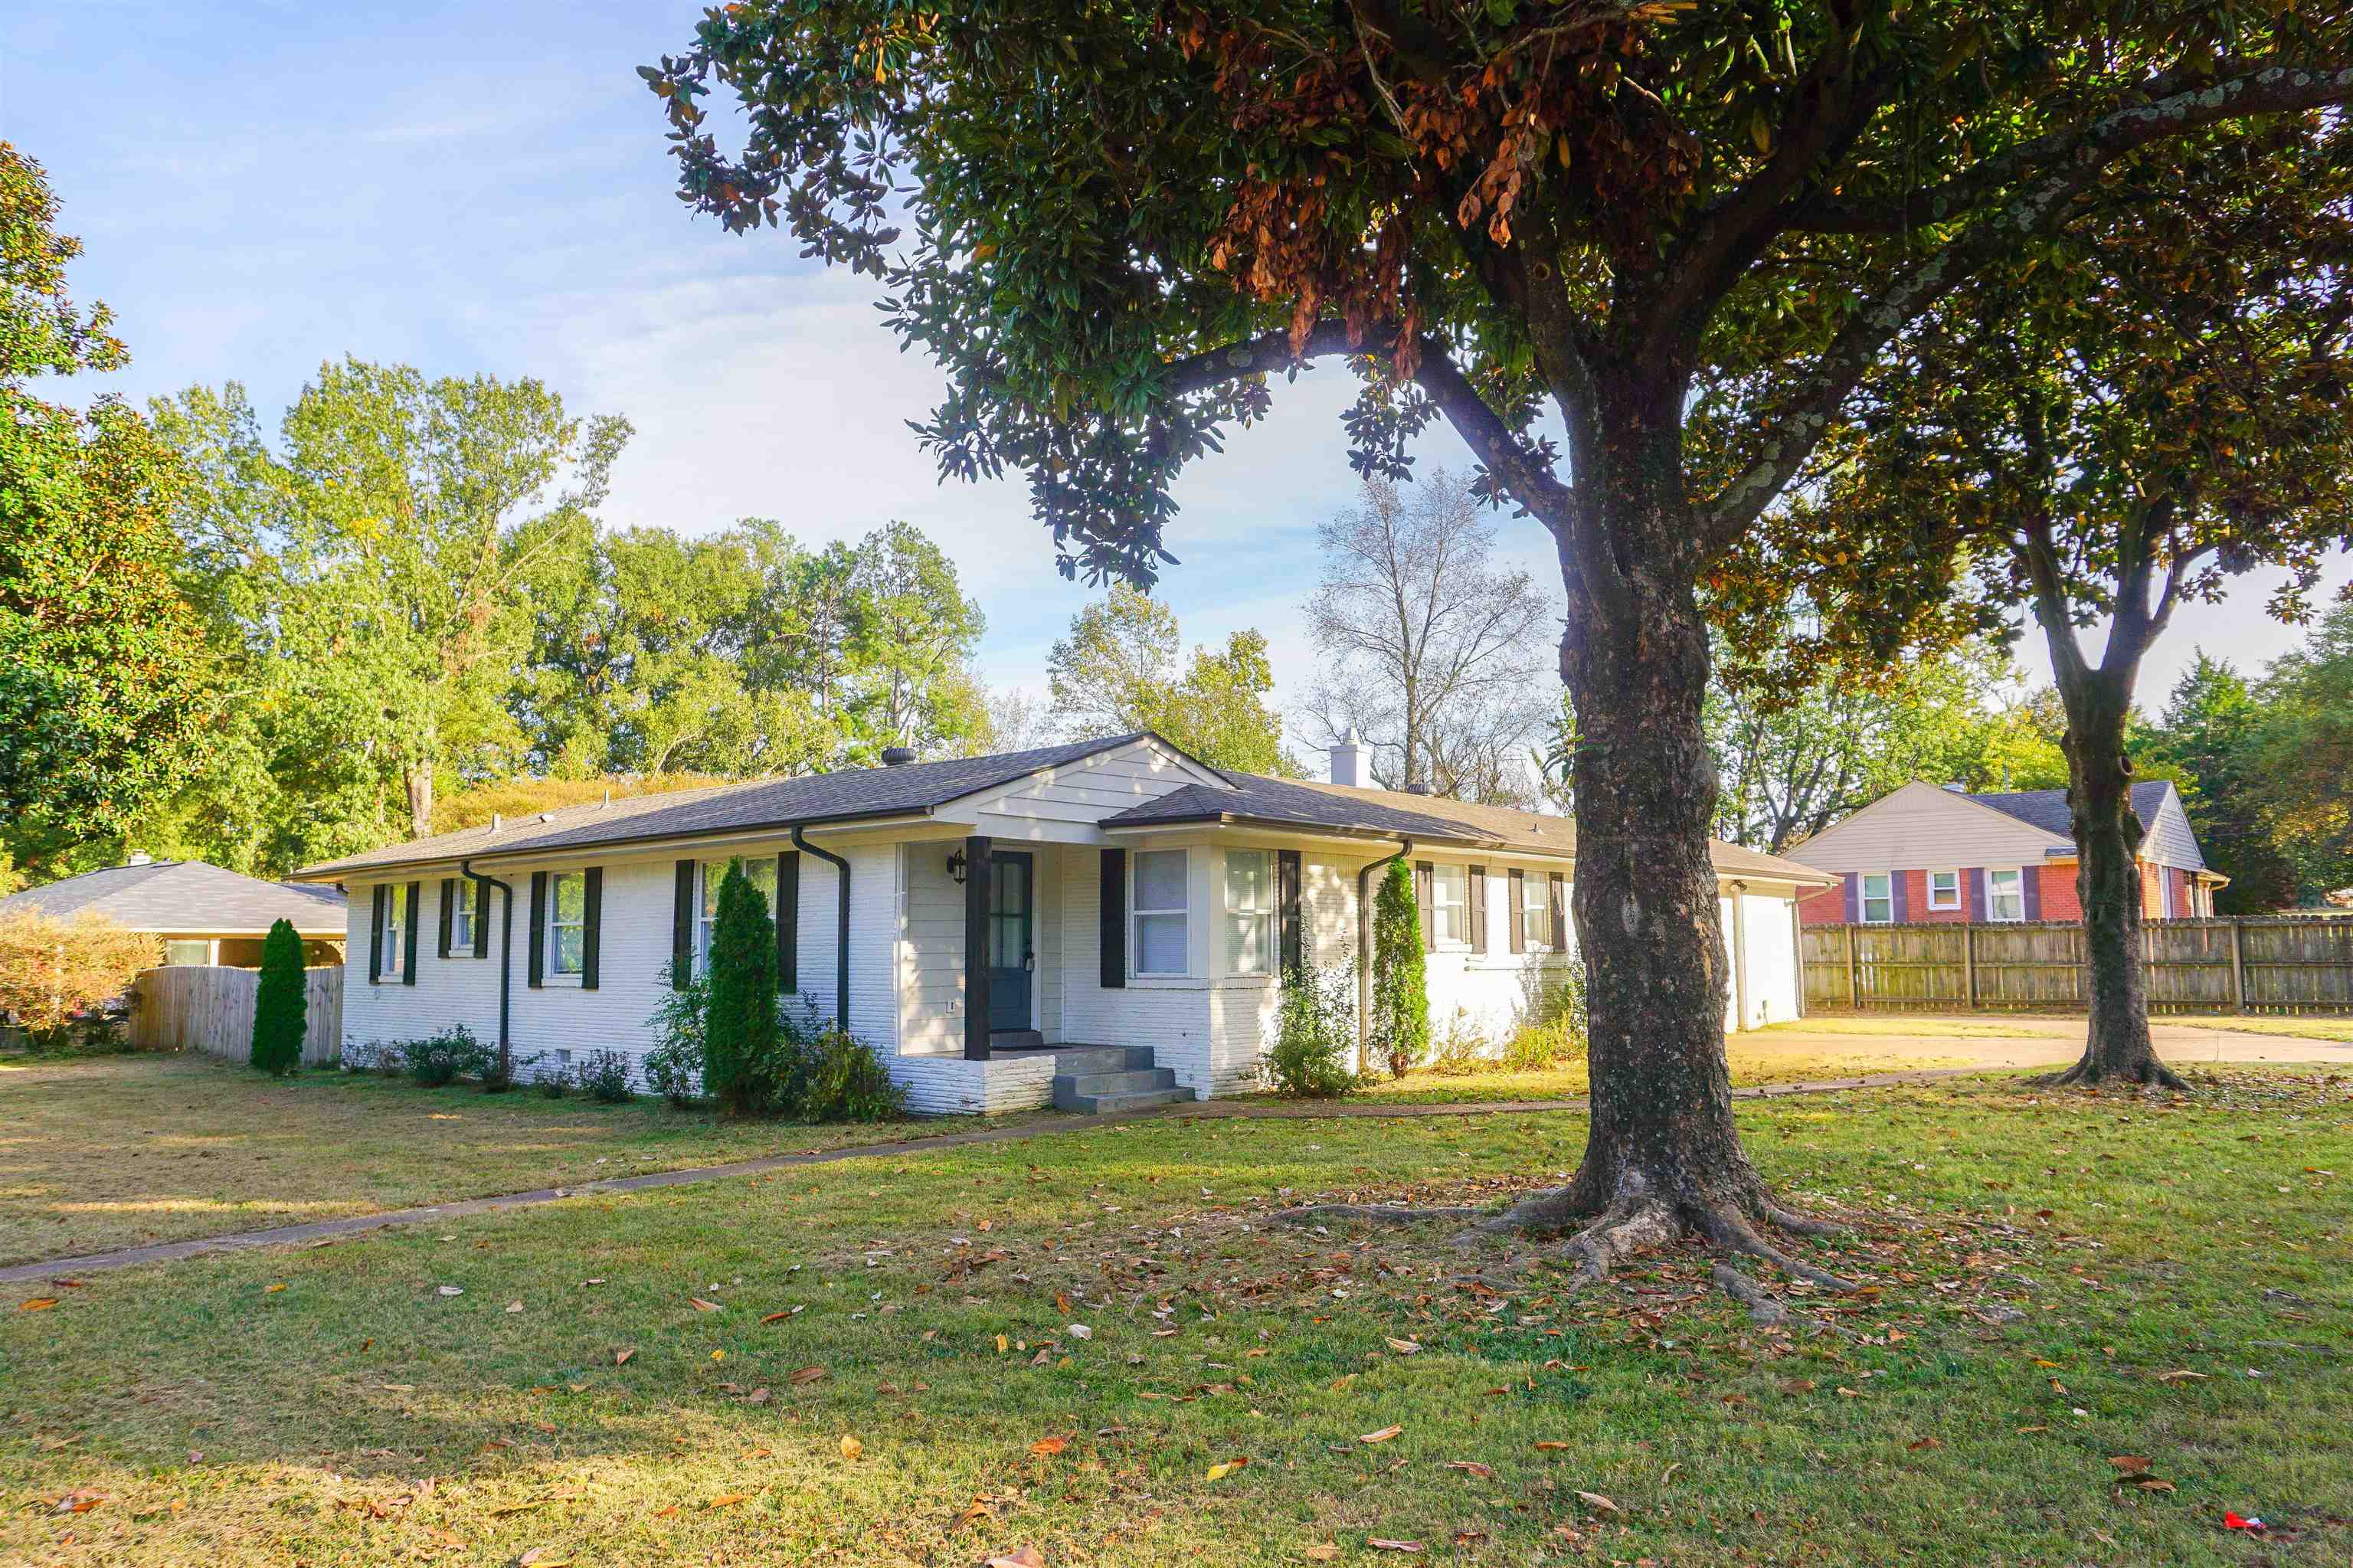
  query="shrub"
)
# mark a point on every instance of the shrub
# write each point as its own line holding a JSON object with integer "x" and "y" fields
{"x": 1552, "y": 1032}
{"x": 845, "y": 1080}
{"x": 605, "y": 1077}
{"x": 1400, "y": 1014}
{"x": 673, "y": 1068}
{"x": 281, "y": 1004}
{"x": 1315, "y": 1028}
{"x": 1462, "y": 1047}
{"x": 446, "y": 1057}
{"x": 552, "y": 1086}
{"x": 376, "y": 1056}
{"x": 63, "y": 980}
{"x": 740, "y": 1020}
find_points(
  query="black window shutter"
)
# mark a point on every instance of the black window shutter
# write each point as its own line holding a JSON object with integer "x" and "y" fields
{"x": 482, "y": 918}
{"x": 1286, "y": 883}
{"x": 535, "y": 963}
{"x": 1559, "y": 915}
{"x": 1423, "y": 874}
{"x": 592, "y": 919}
{"x": 1478, "y": 894}
{"x": 1113, "y": 919}
{"x": 376, "y": 934}
{"x": 449, "y": 898}
{"x": 681, "y": 928}
{"x": 1516, "y": 910}
{"x": 788, "y": 922}
{"x": 409, "y": 941}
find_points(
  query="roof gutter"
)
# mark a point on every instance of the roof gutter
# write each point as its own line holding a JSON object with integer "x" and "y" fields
{"x": 841, "y": 930}
{"x": 1365, "y": 945}
{"x": 649, "y": 845}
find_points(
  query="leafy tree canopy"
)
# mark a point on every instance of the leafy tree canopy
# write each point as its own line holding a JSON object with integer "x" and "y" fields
{"x": 1120, "y": 670}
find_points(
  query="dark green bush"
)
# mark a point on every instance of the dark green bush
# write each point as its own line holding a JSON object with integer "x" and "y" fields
{"x": 739, "y": 1021}
{"x": 1315, "y": 1033}
{"x": 673, "y": 1068}
{"x": 846, "y": 1081}
{"x": 605, "y": 1077}
{"x": 446, "y": 1057}
{"x": 1400, "y": 1012}
{"x": 281, "y": 1003}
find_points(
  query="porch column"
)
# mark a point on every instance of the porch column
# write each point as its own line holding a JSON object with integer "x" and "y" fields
{"x": 976, "y": 878}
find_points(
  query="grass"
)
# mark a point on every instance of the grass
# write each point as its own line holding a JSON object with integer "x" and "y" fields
{"x": 2338, "y": 1028}
{"x": 109, "y": 1151}
{"x": 2060, "y": 1283}
{"x": 1754, "y": 1058}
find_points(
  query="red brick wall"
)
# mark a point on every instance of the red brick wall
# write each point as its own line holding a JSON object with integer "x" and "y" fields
{"x": 1826, "y": 908}
{"x": 2059, "y": 900}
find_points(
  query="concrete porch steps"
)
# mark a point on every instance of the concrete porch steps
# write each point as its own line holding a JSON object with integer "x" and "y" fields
{"x": 1094, "y": 1079}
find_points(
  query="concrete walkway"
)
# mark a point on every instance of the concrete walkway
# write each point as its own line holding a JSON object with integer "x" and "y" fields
{"x": 1012, "y": 1132}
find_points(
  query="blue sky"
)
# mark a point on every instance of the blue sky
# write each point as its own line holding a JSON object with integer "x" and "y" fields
{"x": 486, "y": 188}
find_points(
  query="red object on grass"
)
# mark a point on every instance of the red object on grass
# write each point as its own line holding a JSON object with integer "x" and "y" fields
{"x": 2232, "y": 1521}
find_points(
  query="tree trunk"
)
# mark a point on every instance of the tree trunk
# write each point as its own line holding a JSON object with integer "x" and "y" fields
{"x": 2117, "y": 1047}
{"x": 417, "y": 777}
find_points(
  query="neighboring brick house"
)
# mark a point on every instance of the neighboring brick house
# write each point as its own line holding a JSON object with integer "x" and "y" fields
{"x": 1924, "y": 854}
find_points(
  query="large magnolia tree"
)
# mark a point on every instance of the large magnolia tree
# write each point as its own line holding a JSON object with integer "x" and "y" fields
{"x": 1638, "y": 255}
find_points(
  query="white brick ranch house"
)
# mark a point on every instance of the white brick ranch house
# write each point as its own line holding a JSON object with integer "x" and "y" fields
{"x": 1113, "y": 912}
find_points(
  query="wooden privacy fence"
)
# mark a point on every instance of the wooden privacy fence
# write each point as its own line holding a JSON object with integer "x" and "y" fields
{"x": 2255, "y": 963}
{"x": 193, "y": 1007}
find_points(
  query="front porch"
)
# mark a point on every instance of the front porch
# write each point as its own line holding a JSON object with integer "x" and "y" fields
{"x": 1091, "y": 1079}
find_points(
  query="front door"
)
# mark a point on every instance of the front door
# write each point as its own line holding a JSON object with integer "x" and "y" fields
{"x": 1012, "y": 949}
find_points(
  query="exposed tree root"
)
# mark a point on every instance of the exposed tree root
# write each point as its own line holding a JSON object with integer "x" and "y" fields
{"x": 2148, "y": 1074}
{"x": 1634, "y": 1222}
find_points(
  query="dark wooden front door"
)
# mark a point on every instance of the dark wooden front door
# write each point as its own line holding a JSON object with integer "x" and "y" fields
{"x": 1012, "y": 945}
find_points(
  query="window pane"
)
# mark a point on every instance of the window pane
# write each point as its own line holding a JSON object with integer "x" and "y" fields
{"x": 1160, "y": 880}
{"x": 761, "y": 872}
{"x": 569, "y": 945}
{"x": 188, "y": 952}
{"x": 1160, "y": 944}
{"x": 1248, "y": 946}
{"x": 571, "y": 896}
{"x": 1247, "y": 880}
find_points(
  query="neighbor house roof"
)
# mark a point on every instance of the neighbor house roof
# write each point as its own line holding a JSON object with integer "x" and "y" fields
{"x": 184, "y": 895}
{"x": 846, "y": 796}
{"x": 1387, "y": 813}
{"x": 2047, "y": 809}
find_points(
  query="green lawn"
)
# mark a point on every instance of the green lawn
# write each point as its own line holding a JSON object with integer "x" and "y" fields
{"x": 2060, "y": 1283}
{"x": 1760, "y": 1056}
{"x": 109, "y": 1151}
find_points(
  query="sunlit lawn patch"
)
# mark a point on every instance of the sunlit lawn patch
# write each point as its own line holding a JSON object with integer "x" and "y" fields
{"x": 2060, "y": 1283}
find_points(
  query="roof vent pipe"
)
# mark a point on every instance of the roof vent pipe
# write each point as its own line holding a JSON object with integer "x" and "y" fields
{"x": 1957, "y": 788}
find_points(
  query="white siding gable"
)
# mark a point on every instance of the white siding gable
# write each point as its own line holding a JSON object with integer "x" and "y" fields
{"x": 1063, "y": 804}
{"x": 2171, "y": 841}
{"x": 1923, "y": 826}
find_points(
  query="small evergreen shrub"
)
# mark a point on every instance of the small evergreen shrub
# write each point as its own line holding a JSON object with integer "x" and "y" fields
{"x": 1315, "y": 1028}
{"x": 673, "y": 1068}
{"x": 605, "y": 1078}
{"x": 846, "y": 1081}
{"x": 281, "y": 1003}
{"x": 444, "y": 1058}
{"x": 740, "y": 1029}
{"x": 1400, "y": 1012}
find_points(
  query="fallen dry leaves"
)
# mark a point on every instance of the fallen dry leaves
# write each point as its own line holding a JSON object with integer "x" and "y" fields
{"x": 1047, "y": 1447}
{"x": 1383, "y": 1435}
{"x": 850, "y": 1447}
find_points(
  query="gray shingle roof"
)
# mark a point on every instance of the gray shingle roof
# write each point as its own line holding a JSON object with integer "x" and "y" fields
{"x": 1427, "y": 819}
{"x": 731, "y": 808}
{"x": 2047, "y": 809}
{"x": 183, "y": 896}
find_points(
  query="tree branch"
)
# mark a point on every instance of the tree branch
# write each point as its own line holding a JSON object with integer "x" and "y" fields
{"x": 2066, "y": 169}
{"x": 1267, "y": 352}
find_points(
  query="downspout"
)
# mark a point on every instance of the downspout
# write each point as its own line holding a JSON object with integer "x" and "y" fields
{"x": 506, "y": 960}
{"x": 841, "y": 936}
{"x": 1365, "y": 945}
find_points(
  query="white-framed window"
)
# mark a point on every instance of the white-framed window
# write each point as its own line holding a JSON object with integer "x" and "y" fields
{"x": 567, "y": 922}
{"x": 1250, "y": 912}
{"x": 193, "y": 950}
{"x": 1158, "y": 908}
{"x": 1536, "y": 908}
{"x": 1943, "y": 890}
{"x": 462, "y": 913}
{"x": 2005, "y": 895}
{"x": 761, "y": 872}
{"x": 1450, "y": 902}
{"x": 1879, "y": 898}
{"x": 2165, "y": 891}
{"x": 392, "y": 947}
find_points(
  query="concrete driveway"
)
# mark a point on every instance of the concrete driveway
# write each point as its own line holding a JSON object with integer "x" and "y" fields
{"x": 1891, "y": 1043}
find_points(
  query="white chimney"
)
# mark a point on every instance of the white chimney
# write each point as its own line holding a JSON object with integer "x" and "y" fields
{"x": 1350, "y": 759}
